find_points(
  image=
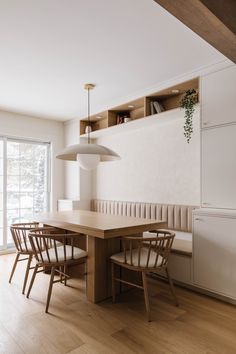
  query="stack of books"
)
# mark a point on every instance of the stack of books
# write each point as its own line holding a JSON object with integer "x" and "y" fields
{"x": 156, "y": 107}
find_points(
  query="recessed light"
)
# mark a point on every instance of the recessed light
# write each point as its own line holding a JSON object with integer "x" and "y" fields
{"x": 175, "y": 91}
{"x": 98, "y": 117}
{"x": 130, "y": 106}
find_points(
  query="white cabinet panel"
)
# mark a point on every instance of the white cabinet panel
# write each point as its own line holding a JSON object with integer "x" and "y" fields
{"x": 219, "y": 167}
{"x": 214, "y": 250}
{"x": 218, "y": 97}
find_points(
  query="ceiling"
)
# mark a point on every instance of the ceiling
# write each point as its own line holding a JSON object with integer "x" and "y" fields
{"x": 51, "y": 48}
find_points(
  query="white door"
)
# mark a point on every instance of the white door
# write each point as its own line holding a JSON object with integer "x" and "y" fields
{"x": 218, "y": 97}
{"x": 214, "y": 252}
{"x": 219, "y": 167}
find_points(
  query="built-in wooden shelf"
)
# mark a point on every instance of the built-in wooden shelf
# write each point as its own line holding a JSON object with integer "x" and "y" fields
{"x": 161, "y": 118}
{"x": 138, "y": 109}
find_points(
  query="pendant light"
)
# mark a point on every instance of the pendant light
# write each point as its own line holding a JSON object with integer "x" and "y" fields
{"x": 88, "y": 155}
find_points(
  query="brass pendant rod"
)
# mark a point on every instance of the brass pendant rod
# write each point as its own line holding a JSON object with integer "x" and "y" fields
{"x": 89, "y": 124}
{"x": 89, "y": 87}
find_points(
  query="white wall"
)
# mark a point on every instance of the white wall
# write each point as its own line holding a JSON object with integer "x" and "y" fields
{"x": 22, "y": 126}
{"x": 157, "y": 164}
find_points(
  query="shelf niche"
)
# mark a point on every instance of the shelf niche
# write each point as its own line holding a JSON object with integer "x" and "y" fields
{"x": 140, "y": 108}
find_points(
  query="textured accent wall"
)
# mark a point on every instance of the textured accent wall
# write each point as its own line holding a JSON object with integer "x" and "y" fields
{"x": 157, "y": 164}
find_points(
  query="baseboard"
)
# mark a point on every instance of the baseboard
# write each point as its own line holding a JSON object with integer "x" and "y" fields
{"x": 196, "y": 289}
{"x": 7, "y": 251}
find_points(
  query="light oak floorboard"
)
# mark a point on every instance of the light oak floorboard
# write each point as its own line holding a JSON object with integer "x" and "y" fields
{"x": 7, "y": 344}
{"x": 201, "y": 325}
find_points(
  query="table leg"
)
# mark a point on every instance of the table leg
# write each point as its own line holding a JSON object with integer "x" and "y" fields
{"x": 98, "y": 267}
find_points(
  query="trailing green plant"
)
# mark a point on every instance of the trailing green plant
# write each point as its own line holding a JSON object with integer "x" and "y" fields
{"x": 188, "y": 103}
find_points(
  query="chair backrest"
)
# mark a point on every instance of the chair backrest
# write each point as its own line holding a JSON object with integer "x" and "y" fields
{"x": 20, "y": 234}
{"x": 52, "y": 248}
{"x": 150, "y": 252}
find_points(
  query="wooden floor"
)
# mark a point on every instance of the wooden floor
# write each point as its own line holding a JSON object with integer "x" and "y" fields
{"x": 200, "y": 325}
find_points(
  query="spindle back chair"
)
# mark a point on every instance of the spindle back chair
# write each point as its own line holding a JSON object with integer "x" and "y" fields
{"x": 54, "y": 256}
{"x": 20, "y": 233}
{"x": 145, "y": 255}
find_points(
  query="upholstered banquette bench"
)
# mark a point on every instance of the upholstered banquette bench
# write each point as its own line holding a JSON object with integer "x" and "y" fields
{"x": 179, "y": 220}
{"x": 178, "y": 217}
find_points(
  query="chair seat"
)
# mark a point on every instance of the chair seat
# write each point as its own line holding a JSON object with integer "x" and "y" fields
{"x": 78, "y": 253}
{"x": 120, "y": 258}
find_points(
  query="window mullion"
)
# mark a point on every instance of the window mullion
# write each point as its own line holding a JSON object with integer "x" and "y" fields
{"x": 4, "y": 193}
{"x": 19, "y": 190}
{"x": 48, "y": 173}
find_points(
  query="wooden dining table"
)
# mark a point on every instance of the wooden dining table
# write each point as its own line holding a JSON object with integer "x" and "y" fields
{"x": 104, "y": 232}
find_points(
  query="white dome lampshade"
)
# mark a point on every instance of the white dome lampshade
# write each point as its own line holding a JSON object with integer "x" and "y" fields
{"x": 88, "y": 155}
{"x": 88, "y": 161}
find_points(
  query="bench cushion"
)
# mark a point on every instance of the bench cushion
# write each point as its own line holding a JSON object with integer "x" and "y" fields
{"x": 182, "y": 242}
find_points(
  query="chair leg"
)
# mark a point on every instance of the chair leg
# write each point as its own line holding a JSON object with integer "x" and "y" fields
{"x": 85, "y": 268}
{"x": 14, "y": 267}
{"x": 61, "y": 270}
{"x": 86, "y": 273}
{"x": 113, "y": 285}
{"x": 32, "y": 280}
{"x": 172, "y": 289}
{"x": 146, "y": 298}
{"x": 65, "y": 278}
{"x": 27, "y": 273}
{"x": 50, "y": 289}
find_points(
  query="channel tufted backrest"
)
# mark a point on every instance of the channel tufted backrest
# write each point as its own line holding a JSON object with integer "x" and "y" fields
{"x": 179, "y": 217}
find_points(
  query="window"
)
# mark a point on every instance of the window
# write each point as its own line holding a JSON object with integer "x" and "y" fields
{"x": 24, "y": 183}
{"x": 1, "y": 193}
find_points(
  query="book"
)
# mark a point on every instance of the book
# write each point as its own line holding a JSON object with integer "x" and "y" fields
{"x": 152, "y": 108}
{"x": 158, "y": 107}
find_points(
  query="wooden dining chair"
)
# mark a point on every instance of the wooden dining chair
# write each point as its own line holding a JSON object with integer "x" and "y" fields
{"x": 20, "y": 233}
{"x": 144, "y": 255}
{"x": 54, "y": 256}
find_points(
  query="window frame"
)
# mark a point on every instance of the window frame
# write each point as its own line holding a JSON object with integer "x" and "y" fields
{"x": 6, "y": 139}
